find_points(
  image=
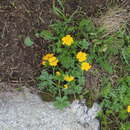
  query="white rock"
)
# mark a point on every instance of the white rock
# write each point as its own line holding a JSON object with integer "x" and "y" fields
{"x": 26, "y": 111}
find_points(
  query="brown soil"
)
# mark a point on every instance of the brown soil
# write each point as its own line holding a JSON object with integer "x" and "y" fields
{"x": 18, "y": 19}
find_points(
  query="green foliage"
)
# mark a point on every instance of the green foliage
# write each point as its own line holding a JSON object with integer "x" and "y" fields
{"x": 84, "y": 44}
{"x": 61, "y": 103}
{"x": 87, "y": 27}
{"x": 115, "y": 102}
{"x": 105, "y": 65}
{"x": 46, "y": 35}
{"x": 126, "y": 54}
{"x": 59, "y": 11}
{"x": 125, "y": 126}
{"x": 67, "y": 61}
{"x": 28, "y": 42}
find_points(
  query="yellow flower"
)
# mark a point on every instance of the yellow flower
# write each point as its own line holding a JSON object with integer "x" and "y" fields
{"x": 128, "y": 109}
{"x": 66, "y": 86}
{"x": 81, "y": 56}
{"x": 58, "y": 73}
{"x": 43, "y": 62}
{"x": 68, "y": 78}
{"x": 67, "y": 40}
{"x": 53, "y": 61}
{"x": 47, "y": 56}
{"x": 85, "y": 66}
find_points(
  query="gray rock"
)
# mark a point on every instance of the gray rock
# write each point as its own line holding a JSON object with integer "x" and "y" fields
{"x": 26, "y": 111}
{"x": 86, "y": 116}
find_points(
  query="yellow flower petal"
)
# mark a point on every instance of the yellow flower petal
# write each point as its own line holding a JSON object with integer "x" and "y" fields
{"x": 66, "y": 86}
{"x": 58, "y": 73}
{"x": 53, "y": 61}
{"x": 47, "y": 56}
{"x": 67, "y": 40}
{"x": 68, "y": 78}
{"x": 81, "y": 56}
{"x": 43, "y": 62}
{"x": 85, "y": 66}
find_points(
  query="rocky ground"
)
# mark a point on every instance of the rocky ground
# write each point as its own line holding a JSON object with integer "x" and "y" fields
{"x": 26, "y": 111}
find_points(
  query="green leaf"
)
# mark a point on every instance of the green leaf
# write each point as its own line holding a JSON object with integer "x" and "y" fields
{"x": 125, "y": 126}
{"x": 41, "y": 77}
{"x": 70, "y": 29}
{"x": 77, "y": 89}
{"x": 28, "y": 42}
{"x": 86, "y": 26}
{"x": 59, "y": 12}
{"x": 46, "y": 35}
{"x": 106, "y": 90}
{"x": 128, "y": 80}
{"x": 61, "y": 102}
{"x": 123, "y": 114}
{"x": 84, "y": 44}
{"x": 67, "y": 61}
{"x": 105, "y": 64}
{"x": 44, "y": 75}
{"x": 61, "y": 4}
{"x": 76, "y": 72}
{"x": 81, "y": 80}
{"x": 41, "y": 85}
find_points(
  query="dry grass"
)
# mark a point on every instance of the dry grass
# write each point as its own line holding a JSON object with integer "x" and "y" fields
{"x": 113, "y": 19}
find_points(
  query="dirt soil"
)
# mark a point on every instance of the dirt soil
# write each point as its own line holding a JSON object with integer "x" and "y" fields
{"x": 20, "y": 18}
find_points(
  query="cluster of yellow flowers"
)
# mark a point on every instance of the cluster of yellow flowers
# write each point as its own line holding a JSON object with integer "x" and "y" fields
{"x": 82, "y": 57}
{"x": 53, "y": 61}
{"x": 49, "y": 58}
{"x": 66, "y": 78}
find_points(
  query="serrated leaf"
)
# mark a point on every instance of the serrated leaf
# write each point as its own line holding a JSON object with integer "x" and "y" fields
{"x": 41, "y": 77}
{"x": 28, "y": 41}
{"x": 84, "y": 44}
{"x": 61, "y": 102}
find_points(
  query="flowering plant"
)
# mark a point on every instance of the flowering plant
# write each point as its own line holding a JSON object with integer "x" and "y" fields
{"x": 67, "y": 61}
{"x": 64, "y": 67}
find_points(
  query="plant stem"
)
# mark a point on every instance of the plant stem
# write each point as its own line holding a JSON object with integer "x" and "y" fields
{"x": 53, "y": 71}
{"x": 75, "y": 97}
{"x": 59, "y": 88}
{"x": 59, "y": 92}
